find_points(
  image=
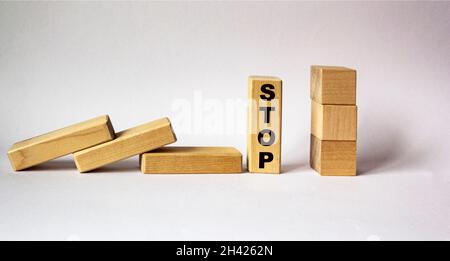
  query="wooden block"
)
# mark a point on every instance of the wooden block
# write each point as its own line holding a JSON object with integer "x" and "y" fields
{"x": 58, "y": 143}
{"x": 333, "y": 85}
{"x": 128, "y": 143}
{"x": 333, "y": 122}
{"x": 333, "y": 158}
{"x": 264, "y": 124}
{"x": 191, "y": 160}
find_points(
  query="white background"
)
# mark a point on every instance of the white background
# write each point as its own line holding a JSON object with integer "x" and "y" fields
{"x": 63, "y": 62}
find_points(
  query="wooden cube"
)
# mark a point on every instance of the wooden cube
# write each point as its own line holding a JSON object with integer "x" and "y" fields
{"x": 58, "y": 143}
{"x": 333, "y": 158}
{"x": 333, "y": 122}
{"x": 191, "y": 160}
{"x": 128, "y": 143}
{"x": 264, "y": 124}
{"x": 333, "y": 85}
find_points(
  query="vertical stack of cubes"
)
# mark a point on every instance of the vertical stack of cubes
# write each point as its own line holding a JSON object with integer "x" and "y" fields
{"x": 333, "y": 120}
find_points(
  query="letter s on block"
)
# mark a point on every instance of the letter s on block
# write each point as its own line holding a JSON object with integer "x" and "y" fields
{"x": 268, "y": 90}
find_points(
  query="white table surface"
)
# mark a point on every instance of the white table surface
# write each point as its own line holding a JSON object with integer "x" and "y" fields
{"x": 55, "y": 202}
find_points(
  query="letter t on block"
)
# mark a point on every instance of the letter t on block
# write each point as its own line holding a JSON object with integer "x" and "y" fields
{"x": 264, "y": 124}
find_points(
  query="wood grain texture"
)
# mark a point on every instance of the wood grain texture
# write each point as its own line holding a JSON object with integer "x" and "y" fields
{"x": 191, "y": 160}
{"x": 31, "y": 152}
{"x": 333, "y": 158}
{"x": 333, "y": 122}
{"x": 333, "y": 85}
{"x": 128, "y": 143}
{"x": 259, "y": 101}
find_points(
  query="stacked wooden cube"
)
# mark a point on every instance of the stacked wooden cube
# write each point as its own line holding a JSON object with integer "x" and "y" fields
{"x": 333, "y": 120}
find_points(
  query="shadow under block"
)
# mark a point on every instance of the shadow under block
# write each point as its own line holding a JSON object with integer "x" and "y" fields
{"x": 128, "y": 143}
{"x": 191, "y": 160}
{"x": 30, "y": 152}
{"x": 333, "y": 158}
{"x": 264, "y": 124}
{"x": 333, "y": 85}
{"x": 333, "y": 122}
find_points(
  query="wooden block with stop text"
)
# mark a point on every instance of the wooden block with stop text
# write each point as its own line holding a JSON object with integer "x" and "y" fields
{"x": 333, "y": 158}
{"x": 128, "y": 143}
{"x": 61, "y": 142}
{"x": 264, "y": 124}
{"x": 333, "y": 85}
{"x": 191, "y": 160}
{"x": 333, "y": 122}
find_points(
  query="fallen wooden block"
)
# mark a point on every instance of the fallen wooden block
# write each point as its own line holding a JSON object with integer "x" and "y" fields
{"x": 191, "y": 160}
{"x": 333, "y": 122}
{"x": 264, "y": 132}
{"x": 333, "y": 158}
{"x": 61, "y": 142}
{"x": 333, "y": 85}
{"x": 128, "y": 143}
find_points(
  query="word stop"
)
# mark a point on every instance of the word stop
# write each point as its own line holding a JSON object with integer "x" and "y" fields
{"x": 264, "y": 128}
